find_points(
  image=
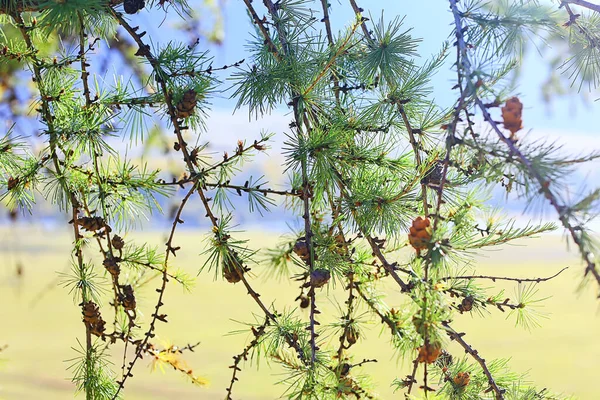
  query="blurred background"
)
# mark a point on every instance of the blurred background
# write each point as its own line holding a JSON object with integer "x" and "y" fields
{"x": 40, "y": 324}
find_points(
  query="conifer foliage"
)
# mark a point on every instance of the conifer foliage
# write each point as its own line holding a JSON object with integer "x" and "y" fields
{"x": 387, "y": 185}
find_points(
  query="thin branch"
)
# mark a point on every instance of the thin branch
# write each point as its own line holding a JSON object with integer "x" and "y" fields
{"x": 331, "y": 60}
{"x": 499, "y": 392}
{"x": 583, "y": 3}
{"x": 504, "y": 278}
{"x": 143, "y": 346}
{"x": 48, "y": 118}
{"x": 327, "y": 22}
{"x": 301, "y": 119}
{"x": 384, "y": 317}
{"x": 263, "y": 29}
{"x": 243, "y": 356}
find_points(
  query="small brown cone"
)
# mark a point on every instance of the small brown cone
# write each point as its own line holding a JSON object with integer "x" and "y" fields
{"x": 319, "y": 277}
{"x": 511, "y": 116}
{"x": 117, "y": 242}
{"x": 420, "y": 233}
{"x": 232, "y": 272}
{"x": 462, "y": 379}
{"x": 301, "y": 250}
{"x": 92, "y": 318}
{"x": 429, "y": 353}
{"x": 128, "y": 298}
{"x": 187, "y": 104}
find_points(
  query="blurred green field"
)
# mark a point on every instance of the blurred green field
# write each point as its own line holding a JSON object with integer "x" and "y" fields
{"x": 563, "y": 355}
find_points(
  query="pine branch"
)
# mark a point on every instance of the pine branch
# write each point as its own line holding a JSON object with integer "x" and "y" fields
{"x": 142, "y": 347}
{"x": 582, "y": 3}
{"x": 504, "y": 278}
{"x": 243, "y": 356}
{"x": 326, "y": 21}
{"x": 458, "y": 337}
{"x": 301, "y": 120}
{"x": 587, "y": 255}
{"x": 48, "y": 119}
{"x": 400, "y": 107}
{"x": 263, "y": 29}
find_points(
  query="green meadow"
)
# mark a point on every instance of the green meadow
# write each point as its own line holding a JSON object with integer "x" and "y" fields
{"x": 41, "y": 324}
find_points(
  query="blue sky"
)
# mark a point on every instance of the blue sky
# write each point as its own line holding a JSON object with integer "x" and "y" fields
{"x": 430, "y": 21}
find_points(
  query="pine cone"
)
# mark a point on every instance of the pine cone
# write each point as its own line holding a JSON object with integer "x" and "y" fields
{"x": 112, "y": 266}
{"x": 420, "y": 233}
{"x": 187, "y": 104}
{"x": 232, "y": 272}
{"x": 511, "y": 115}
{"x": 301, "y": 250}
{"x": 128, "y": 298}
{"x": 352, "y": 335}
{"x": 466, "y": 304}
{"x": 92, "y": 318}
{"x": 429, "y": 353}
{"x": 304, "y": 301}
{"x": 319, "y": 277}
{"x": 12, "y": 183}
{"x": 462, "y": 379}
{"x": 133, "y": 6}
{"x": 91, "y": 224}
{"x": 117, "y": 242}
{"x": 433, "y": 177}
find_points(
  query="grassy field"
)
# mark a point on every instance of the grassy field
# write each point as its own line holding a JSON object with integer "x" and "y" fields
{"x": 41, "y": 326}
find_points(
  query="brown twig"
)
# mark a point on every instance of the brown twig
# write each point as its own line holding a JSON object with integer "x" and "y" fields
{"x": 504, "y": 278}
{"x": 412, "y": 378}
{"x": 243, "y": 356}
{"x": 583, "y": 3}
{"x": 263, "y": 29}
{"x": 396, "y": 332}
{"x": 141, "y": 347}
{"x": 327, "y": 23}
{"x": 458, "y": 337}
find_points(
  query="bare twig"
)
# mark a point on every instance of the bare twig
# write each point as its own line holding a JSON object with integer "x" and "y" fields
{"x": 504, "y": 278}
{"x": 142, "y": 347}
{"x": 243, "y": 356}
{"x": 458, "y": 337}
{"x": 583, "y": 3}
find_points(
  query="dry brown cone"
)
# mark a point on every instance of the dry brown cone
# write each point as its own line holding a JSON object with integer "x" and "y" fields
{"x": 117, "y": 242}
{"x": 351, "y": 335}
{"x": 429, "y": 352}
{"x": 92, "y": 318}
{"x": 128, "y": 299}
{"x": 304, "y": 301}
{"x": 232, "y": 273}
{"x": 91, "y": 224}
{"x": 12, "y": 183}
{"x": 187, "y": 104}
{"x": 319, "y": 277}
{"x": 466, "y": 304}
{"x": 112, "y": 266}
{"x": 420, "y": 233}
{"x": 511, "y": 116}
{"x": 301, "y": 250}
{"x": 462, "y": 379}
